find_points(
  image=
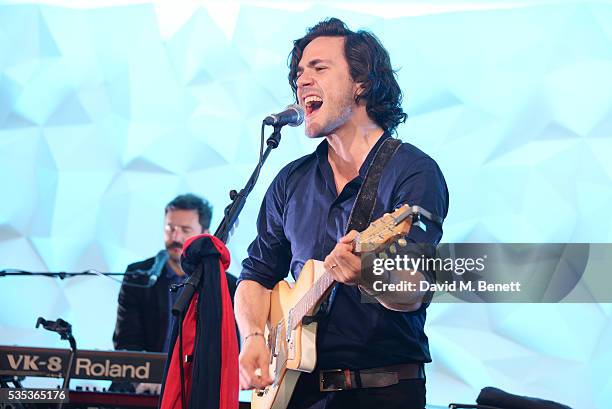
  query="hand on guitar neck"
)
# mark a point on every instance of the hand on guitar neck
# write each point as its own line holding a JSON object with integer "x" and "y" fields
{"x": 342, "y": 263}
{"x": 278, "y": 342}
{"x": 345, "y": 267}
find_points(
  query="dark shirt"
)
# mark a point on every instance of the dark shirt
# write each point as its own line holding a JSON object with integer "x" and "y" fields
{"x": 302, "y": 217}
{"x": 144, "y": 313}
{"x": 172, "y": 278}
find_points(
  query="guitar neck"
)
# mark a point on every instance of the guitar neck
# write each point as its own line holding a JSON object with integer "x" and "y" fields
{"x": 383, "y": 230}
{"x": 311, "y": 298}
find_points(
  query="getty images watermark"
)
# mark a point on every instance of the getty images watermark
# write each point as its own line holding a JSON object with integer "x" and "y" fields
{"x": 422, "y": 264}
{"x": 491, "y": 272}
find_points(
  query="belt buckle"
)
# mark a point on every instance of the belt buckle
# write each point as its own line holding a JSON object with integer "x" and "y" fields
{"x": 333, "y": 387}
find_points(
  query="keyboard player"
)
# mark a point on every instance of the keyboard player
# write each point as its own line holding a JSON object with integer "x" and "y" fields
{"x": 143, "y": 314}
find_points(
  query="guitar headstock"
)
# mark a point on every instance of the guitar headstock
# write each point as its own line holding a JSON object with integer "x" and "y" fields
{"x": 388, "y": 228}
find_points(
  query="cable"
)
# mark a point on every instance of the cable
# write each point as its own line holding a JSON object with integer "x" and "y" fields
{"x": 180, "y": 361}
{"x": 63, "y": 275}
{"x": 260, "y": 162}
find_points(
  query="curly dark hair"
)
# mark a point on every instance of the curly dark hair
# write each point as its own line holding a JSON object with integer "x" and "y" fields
{"x": 189, "y": 201}
{"x": 369, "y": 64}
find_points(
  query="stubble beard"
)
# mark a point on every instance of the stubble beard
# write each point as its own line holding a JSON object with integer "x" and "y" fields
{"x": 338, "y": 117}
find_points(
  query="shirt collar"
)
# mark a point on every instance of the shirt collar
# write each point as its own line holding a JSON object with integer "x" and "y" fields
{"x": 323, "y": 163}
{"x": 370, "y": 158}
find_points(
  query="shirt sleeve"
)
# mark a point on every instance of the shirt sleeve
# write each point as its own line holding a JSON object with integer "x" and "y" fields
{"x": 269, "y": 255}
{"x": 422, "y": 184}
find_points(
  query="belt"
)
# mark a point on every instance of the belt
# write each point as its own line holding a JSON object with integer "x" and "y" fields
{"x": 344, "y": 379}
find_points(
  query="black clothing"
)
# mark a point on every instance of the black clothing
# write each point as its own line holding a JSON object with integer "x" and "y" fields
{"x": 303, "y": 217}
{"x": 408, "y": 394}
{"x": 143, "y": 313}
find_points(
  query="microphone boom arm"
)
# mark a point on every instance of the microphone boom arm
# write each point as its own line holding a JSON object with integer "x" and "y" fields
{"x": 231, "y": 213}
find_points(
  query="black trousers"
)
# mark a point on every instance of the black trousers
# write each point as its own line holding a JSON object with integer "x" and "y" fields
{"x": 407, "y": 394}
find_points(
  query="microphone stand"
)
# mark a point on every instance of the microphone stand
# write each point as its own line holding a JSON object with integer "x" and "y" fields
{"x": 231, "y": 213}
{"x": 63, "y": 275}
{"x": 64, "y": 329}
{"x": 59, "y": 274}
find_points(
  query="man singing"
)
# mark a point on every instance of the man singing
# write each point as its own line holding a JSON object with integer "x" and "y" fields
{"x": 345, "y": 82}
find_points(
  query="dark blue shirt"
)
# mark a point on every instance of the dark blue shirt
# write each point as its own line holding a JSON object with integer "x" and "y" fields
{"x": 172, "y": 278}
{"x": 302, "y": 217}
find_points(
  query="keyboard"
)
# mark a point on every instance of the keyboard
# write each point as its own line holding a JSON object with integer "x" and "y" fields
{"x": 119, "y": 366}
{"x": 98, "y": 399}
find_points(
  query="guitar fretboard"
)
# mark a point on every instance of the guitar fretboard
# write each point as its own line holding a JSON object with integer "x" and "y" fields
{"x": 379, "y": 232}
{"x": 311, "y": 298}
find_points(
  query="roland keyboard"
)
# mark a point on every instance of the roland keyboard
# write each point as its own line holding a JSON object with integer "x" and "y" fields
{"x": 119, "y": 366}
{"x": 105, "y": 399}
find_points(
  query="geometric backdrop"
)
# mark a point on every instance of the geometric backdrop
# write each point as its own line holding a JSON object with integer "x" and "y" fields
{"x": 108, "y": 112}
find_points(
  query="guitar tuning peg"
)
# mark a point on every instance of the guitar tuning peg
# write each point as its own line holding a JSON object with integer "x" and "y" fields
{"x": 392, "y": 249}
{"x": 382, "y": 255}
{"x": 402, "y": 242}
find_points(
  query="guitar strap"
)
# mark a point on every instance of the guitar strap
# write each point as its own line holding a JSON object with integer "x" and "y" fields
{"x": 361, "y": 213}
{"x": 363, "y": 208}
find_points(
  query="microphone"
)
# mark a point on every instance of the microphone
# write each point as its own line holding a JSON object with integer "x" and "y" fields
{"x": 158, "y": 266}
{"x": 156, "y": 269}
{"x": 293, "y": 115}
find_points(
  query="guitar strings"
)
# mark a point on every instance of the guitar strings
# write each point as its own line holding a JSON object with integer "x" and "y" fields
{"x": 376, "y": 230}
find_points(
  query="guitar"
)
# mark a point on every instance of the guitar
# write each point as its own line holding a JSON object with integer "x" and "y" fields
{"x": 292, "y": 343}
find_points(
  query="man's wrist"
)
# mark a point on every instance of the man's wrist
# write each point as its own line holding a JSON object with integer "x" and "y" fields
{"x": 366, "y": 282}
{"x": 369, "y": 291}
{"x": 256, "y": 333}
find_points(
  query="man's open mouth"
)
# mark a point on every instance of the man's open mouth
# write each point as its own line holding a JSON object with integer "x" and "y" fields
{"x": 312, "y": 104}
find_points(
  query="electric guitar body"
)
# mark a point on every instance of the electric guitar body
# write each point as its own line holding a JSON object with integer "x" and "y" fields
{"x": 293, "y": 352}
{"x": 291, "y": 342}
